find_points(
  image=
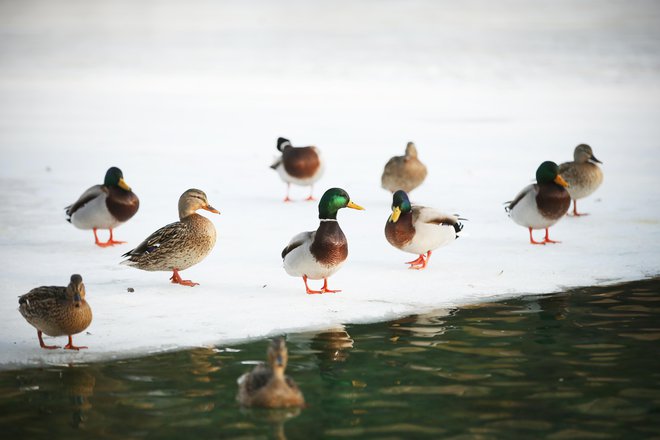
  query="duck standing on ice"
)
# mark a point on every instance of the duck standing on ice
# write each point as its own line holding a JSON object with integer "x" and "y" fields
{"x": 542, "y": 204}
{"x": 104, "y": 206}
{"x": 405, "y": 172}
{"x": 418, "y": 229}
{"x": 57, "y": 311}
{"x": 316, "y": 255}
{"x": 583, "y": 175}
{"x": 299, "y": 165}
{"x": 178, "y": 245}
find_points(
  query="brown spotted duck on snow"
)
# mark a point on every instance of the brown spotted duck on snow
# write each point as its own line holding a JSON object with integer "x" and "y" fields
{"x": 583, "y": 175}
{"x": 298, "y": 165}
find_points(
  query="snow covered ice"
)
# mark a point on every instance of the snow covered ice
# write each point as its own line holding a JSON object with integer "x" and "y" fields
{"x": 195, "y": 96}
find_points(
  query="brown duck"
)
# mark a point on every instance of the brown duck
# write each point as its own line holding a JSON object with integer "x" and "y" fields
{"x": 104, "y": 206}
{"x": 178, "y": 245}
{"x": 405, "y": 172}
{"x": 267, "y": 386}
{"x": 299, "y": 165}
{"x": 57, "y": 311}
{"x": 583, "y": 175}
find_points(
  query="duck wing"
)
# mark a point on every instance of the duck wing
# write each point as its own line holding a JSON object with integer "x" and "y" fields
{"x": 429, "y": 215}
{"x": 92, "y": 193}
{"x": 161, "y": 238}
{"x": 257, "y": 379}
{"x": 512, "y": 203}
{"x": 297, "y": 241}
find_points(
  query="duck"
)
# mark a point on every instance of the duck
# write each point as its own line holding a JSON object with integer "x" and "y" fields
{"x": 267, "y": 386}
{"x": 583, "y": 175}
{"x": 57, "y": 311}
{"x": 302, "y": 166}
{"x": 405, "y": 172}
{"x": 179, "y": 245}
{"x": 318, "y": 254}
{"x": 542, "y": 204}
{"x": 104, "y": 206}
{"x": 418, "y": 229}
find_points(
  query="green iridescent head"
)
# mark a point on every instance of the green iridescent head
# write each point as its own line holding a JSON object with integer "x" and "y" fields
{"x": 332, "y": 201}
{"x": 400, "y": 204}
{"x": 114, "y": 177}
{"x": 548, "y": 172}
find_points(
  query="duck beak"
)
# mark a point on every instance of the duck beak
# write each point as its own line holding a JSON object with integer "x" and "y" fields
{"x": 76, "y": 297}
{"x": 593, "y": 158}
{"x": 211, "y": 209}
{"x": 123, "y": 185}
{"x": 279, "y": 360}
{"x": 396, "y": 212}
{"x": 560, "y": 181}
{"x": 354, "y": 206}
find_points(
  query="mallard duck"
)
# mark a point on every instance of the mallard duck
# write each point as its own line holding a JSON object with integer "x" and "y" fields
{"x": 418, "y": 229}
{"x": 57, "y": 311}
{"x": 318, "y": 254}
{"x": 267, "y": 386}
{"x": 583, "y": 175}
{"x": 300, "y": 165}
{"x": 541, "y": 205}
{"x": 405, "y": 172}
{"x": 178, "y": 245}
{"x": 104, "y": 206}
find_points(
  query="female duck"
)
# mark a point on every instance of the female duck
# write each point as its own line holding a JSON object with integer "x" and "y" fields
{"x": 268, "y": 386}
{"x": 404, "y": 172}
{"x": 104, "y": 206}
{"x": 418, "y": 229}
{"x": 57, "y": 311}
{"x": 299, "y": 165}
{"x": 178, "y": 245}
{"x": 541, "y": 205}
{"x": 583, "y": 175}
{"x": 318, "y": 254}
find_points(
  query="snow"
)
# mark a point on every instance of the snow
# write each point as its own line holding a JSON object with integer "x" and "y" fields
{"x": 197, "y": 95}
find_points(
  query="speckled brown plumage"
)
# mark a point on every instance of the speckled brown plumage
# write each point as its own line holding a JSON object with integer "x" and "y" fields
{"x": 404, "y": 172}
{"x": 267, "y": 386}
{"x": 57, "y": 310}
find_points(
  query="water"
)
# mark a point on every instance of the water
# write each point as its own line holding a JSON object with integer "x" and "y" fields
{"x": 580, "y": 364}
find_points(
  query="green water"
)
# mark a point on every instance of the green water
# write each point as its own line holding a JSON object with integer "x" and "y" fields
{"x": 581, "y": 364}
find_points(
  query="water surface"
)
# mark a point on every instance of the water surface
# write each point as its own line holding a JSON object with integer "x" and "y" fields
{"x": 579, "y": 364}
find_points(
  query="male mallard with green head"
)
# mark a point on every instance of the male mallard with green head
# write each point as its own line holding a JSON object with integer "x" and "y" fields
{"x": 267, "y": 386}
{"x": 541, "y": 205}
{"x": 583, "y": 175}
{"x": 57, "y": 311}
{"x": 299, "y": 165}
{"x": 104, "y": 206}
{"x": 178, "y": 245}
{"x": 405, "y": 172}
{"x": 418, "y": 229}
{"x": 318, "y": 254}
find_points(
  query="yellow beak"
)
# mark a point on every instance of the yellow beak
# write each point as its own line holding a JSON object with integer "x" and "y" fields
{"x": 123, "y": 185}
{"x": 211, "y": 209}
{"x": 354, "y": 206}
{"x": 560, "y": 181}
{"x": 396, "y": 212}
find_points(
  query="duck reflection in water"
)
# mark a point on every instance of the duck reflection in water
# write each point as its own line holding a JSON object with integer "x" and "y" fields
{"x": 332, "y": 345}
{"x": 79, "y": 386}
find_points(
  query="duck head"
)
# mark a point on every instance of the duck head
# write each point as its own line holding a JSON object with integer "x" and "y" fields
{"x": 584, "y": 153}
{"x": 114, "y": 177}
{"x": 192, "y": 200}
{"x": 332, "y": 201}
{"x": 278, "y": 356}
{"x": 282, "y": 143}
{"x": 400, "y": 204}
{"x": 548, "y": 172}
{"x": 411, "y": 150}
{"x": 75, "y": 291}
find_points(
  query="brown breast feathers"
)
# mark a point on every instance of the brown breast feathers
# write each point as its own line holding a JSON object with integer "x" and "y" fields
{"x": 552, "y": 200}
{"x": 300, "y": 162}
{"x": 122, "y": 204}
{"x": 402, "y": 232}
{"x": 329, "y": 246}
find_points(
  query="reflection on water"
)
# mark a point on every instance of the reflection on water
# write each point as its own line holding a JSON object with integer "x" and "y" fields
{"x": 580, "y": 364}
